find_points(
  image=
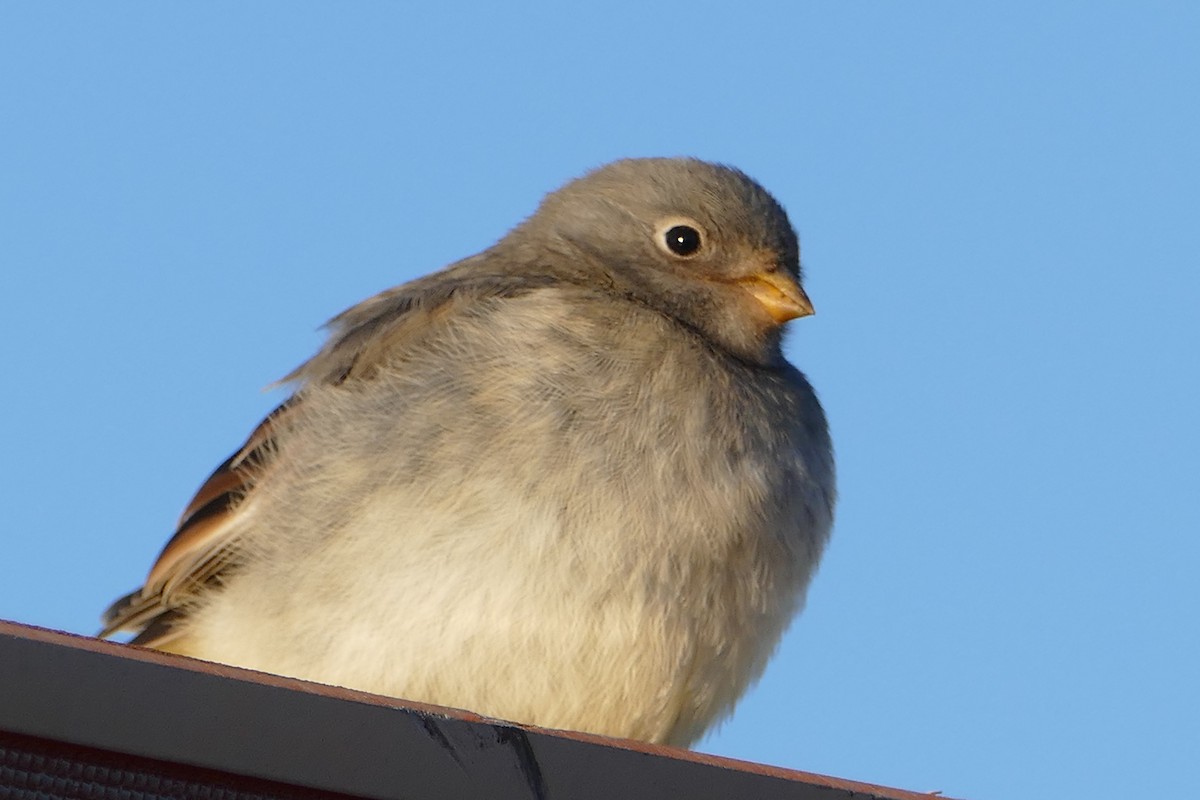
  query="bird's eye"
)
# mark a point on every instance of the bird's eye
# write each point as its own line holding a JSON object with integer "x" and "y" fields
{"x": 682, "y": 240}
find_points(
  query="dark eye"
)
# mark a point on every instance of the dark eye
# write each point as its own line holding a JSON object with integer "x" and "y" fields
{"x": 682, "y": 240}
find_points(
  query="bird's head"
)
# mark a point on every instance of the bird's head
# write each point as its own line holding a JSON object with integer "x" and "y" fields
{"x": 702, "y": 243}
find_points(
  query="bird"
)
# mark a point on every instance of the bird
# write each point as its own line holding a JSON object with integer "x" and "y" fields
{"x": 570, "y": 481}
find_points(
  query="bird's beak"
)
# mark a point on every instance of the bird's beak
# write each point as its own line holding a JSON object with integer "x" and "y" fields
{"x": 779, "y": 294}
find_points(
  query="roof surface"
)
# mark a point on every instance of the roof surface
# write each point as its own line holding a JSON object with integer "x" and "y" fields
{"x": 83, "y": 717}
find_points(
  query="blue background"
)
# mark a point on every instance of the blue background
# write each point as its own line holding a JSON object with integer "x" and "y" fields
{"x": 999, "y": 215}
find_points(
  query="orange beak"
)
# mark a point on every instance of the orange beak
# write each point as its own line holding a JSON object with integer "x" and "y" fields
{"x": 779, "y": 294}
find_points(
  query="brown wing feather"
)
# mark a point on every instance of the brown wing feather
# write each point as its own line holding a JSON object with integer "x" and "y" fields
{"x": 200, "y": 551}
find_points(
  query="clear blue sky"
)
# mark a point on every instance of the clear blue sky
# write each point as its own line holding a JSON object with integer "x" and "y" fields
{"x": 998, "y": 205}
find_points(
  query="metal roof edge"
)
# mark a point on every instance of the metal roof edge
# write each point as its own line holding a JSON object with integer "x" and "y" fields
{"x": 130, "y": 700}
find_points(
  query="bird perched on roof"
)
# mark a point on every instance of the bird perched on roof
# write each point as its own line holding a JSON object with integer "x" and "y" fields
{"x": 570, "y": 481}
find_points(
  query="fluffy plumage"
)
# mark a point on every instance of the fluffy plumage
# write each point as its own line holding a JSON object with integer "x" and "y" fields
{"x": 569, "y": 481}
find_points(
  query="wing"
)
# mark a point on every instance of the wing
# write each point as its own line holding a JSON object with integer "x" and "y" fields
{"x": 205, "y": 550}
{"x": 203, "y": 547}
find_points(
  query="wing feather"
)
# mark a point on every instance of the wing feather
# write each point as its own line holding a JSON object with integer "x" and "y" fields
{"x": 203, "y": 547}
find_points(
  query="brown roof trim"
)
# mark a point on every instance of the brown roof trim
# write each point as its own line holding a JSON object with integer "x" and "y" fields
{"x": 153, "y": 705}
